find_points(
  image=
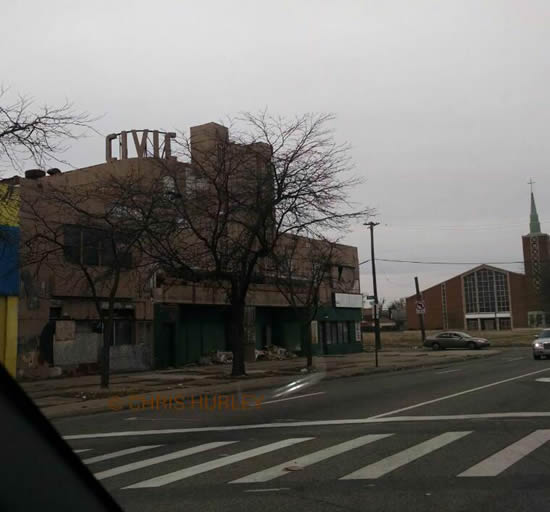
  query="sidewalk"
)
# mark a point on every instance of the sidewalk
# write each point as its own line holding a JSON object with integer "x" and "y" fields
{"x": 73, "y": 396}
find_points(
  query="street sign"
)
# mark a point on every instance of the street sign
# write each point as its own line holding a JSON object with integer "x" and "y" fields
{"x": 369, "y": 297}
{"x": 420, "y": 307}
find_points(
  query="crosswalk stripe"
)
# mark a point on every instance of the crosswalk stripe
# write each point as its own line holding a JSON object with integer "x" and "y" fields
{"x": 399, "y": 459}
{"x": 83, "y": 450}
{"x": 215, "y": 464}
{"x": 162, "y": 458}
{"x": 120, "y": 453}
{"x": 307, "y": 460}
{"x": 498, "y": 462}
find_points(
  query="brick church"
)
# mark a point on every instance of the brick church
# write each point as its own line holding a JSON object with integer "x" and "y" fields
{"x": 487, "y": 297}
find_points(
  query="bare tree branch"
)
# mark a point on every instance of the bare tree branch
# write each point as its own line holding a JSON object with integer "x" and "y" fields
{"x": 37, "y": 134}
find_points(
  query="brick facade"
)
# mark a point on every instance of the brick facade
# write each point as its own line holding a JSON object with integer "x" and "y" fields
{"x": 445, "y": 303}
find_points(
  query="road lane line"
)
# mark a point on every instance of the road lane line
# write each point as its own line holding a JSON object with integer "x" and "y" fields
{"x": 460, "y": 393}
{"x": 293, "y": 397}
{"x": 450, "y": 371}
{"x": 318, "y": 423}
{"x": 162, "y": 458}
{"x": 497, "y": 463}
{"x": 399, "y": 459}
{"x": 83, "y": 450}
{"x": 268, "y": 490}
{"x": 181, "y": 474}
{"x": 307, "y": 460}
{"x": 120, "y": 453}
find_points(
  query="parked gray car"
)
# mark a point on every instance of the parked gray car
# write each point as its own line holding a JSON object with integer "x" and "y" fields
{"x": 455, "y": 339}
{"x": 541, "y": 345}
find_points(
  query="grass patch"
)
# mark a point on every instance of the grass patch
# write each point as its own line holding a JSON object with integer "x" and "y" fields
{"x": 412, "y": 339}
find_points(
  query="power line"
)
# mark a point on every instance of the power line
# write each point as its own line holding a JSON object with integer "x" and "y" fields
{"x": 458, "y": 227}
{"x": 446, "y": 262}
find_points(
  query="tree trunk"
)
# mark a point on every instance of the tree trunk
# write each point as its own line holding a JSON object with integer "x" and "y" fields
{"x": 309, "y": 348}
{"x": 106, "y": 351}
{"x": 237, "y": 337}
{"x": 306, "y": 339}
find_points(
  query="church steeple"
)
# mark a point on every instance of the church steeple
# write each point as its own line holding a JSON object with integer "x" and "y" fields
{"x": 534, "y": 223}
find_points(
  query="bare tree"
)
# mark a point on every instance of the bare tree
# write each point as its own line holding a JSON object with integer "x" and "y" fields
{"x": 238, "y": 197}
{"x": 39, "y": 134}
{"x": 397, "y": 311}
{"x": 302, "y": 267}
{"x": 85, "y": 237}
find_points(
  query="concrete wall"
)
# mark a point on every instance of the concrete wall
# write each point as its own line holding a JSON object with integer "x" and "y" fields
{"x": 82, "y": 350}
{"x": 131, "y": 357}
{"x": 86, "y": 349}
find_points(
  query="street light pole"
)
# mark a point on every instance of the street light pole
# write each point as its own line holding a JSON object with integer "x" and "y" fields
{"x": 377, "y": 344}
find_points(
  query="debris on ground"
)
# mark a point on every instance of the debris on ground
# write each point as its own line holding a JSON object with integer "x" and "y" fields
{"x": 221, "y": 357}
{"x": 294, "y": 467}
{"x": 274, "y": 353}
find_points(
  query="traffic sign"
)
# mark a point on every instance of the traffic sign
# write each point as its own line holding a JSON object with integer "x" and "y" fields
{"x": 369, "y": 297}
{"x": 420, "y": 307}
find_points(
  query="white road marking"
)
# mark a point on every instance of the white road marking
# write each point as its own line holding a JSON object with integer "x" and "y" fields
{"x": 176, "y": 476}
{"x": 292, "y": 398}
{"x": 316, "y": 423}
{"x": 162, "y": 458}
{"x": 307, "y": 460}
{"x": 397, "y": 460}
{"x": 446, "y": 417}
{"x": 450, "y": 371}
{"x": 460, "y": 393}
{"x": 120, "y": 453}
{"x": 497, "y": 463}
{"x": 83, "y": 450}
{"x": 180, "y": 420}
{"x": 543, "y": 379}
{"x": 514, "y": 359}
{"x": 268, "y": 490}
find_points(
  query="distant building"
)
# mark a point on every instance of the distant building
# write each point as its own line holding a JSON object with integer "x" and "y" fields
{"x": 483, "y": 298}
{"x": 487, "y": 297}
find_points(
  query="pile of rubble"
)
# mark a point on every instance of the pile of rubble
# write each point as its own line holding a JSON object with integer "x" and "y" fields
{"x": 271, "y": 353}
{"x": 274, "y": 353}
{"x": 220, "y": 357}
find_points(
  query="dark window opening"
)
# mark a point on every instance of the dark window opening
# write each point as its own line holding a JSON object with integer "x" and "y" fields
{"x": 94, "y": 247}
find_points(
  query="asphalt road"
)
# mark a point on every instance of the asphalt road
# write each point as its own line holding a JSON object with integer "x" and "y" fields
{"x": 468, "y": 436}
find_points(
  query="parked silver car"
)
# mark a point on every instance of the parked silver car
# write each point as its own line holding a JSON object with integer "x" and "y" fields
{"x": 455, "y": 339}
{"x": 541, "y": 345}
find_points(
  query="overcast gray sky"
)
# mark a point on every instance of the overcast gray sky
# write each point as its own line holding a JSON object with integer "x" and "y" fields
{"x": 445, "y": 102}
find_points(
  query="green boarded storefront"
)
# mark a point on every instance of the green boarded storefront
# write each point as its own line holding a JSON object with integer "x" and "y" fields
{"x": 184, "y": 333}
{"x": 338, "y": 331}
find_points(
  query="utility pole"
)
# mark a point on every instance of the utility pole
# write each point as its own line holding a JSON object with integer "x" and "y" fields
{"x": 377, "y": 344}
{"x": 420, "y": 316}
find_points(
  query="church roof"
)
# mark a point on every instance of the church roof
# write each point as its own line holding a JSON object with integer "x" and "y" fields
{"x": 534, "y": 223}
